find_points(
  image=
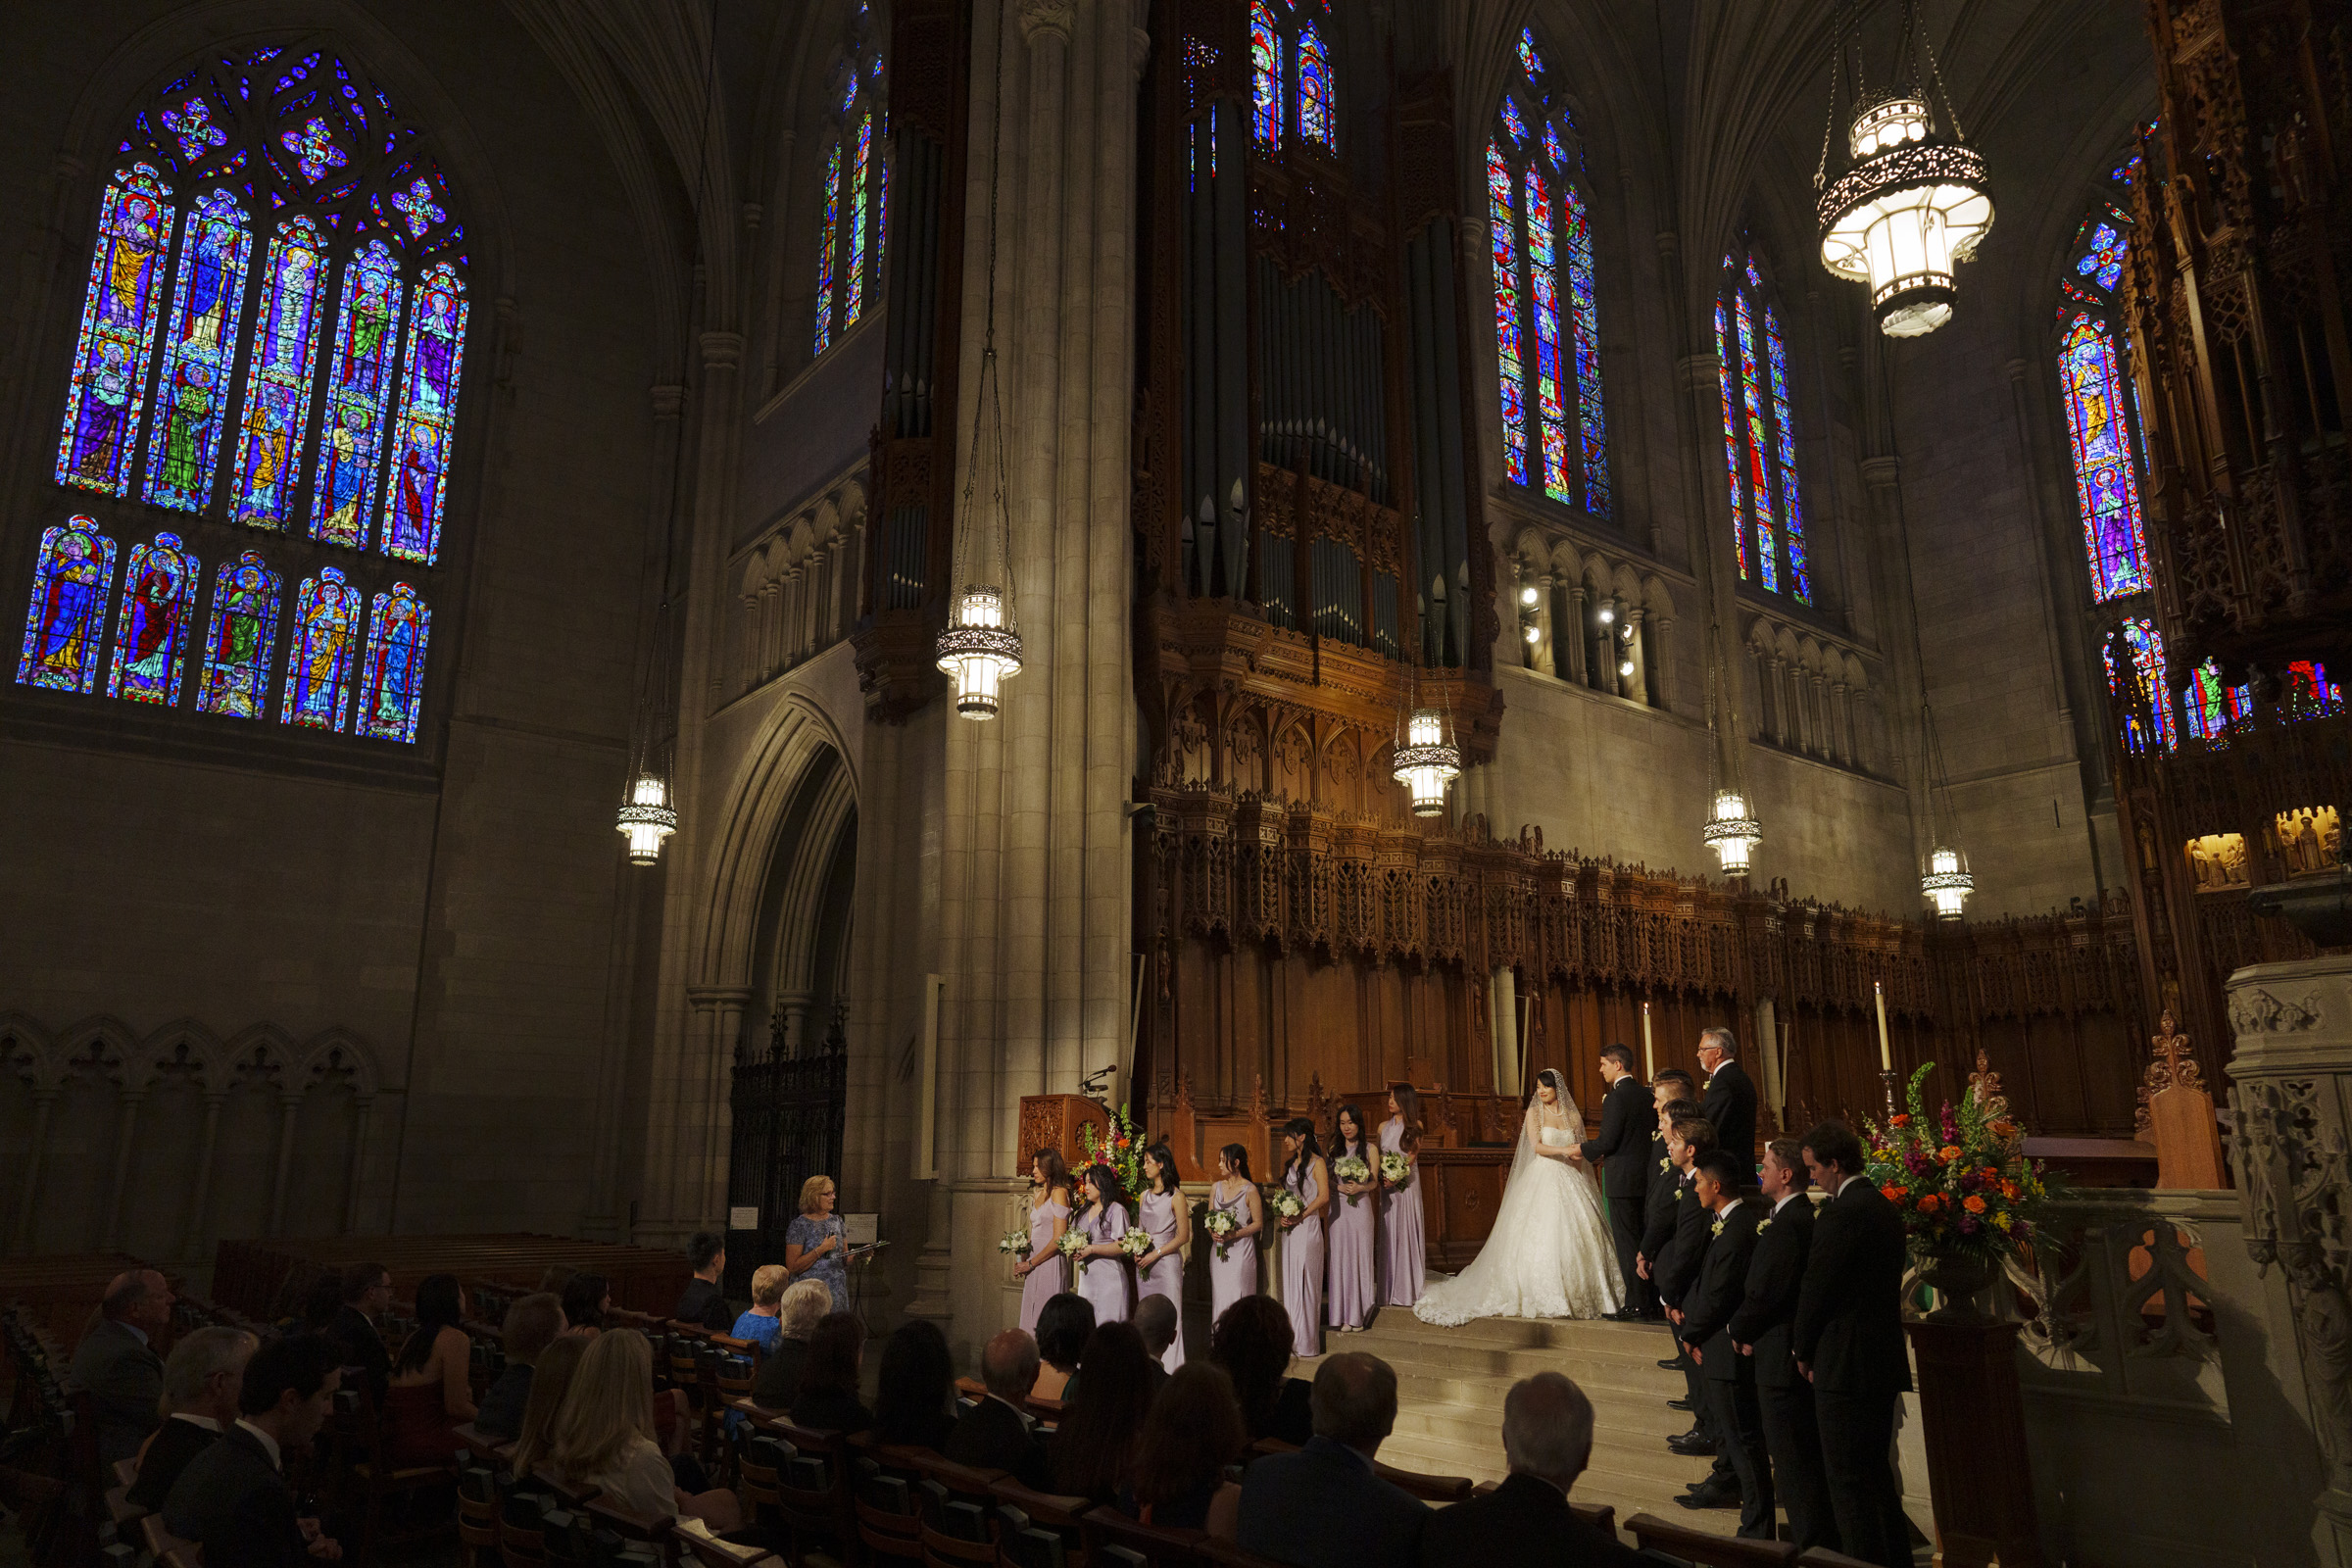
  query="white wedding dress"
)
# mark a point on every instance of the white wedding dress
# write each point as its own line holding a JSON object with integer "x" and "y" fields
{"x": 1550, "y": 1253}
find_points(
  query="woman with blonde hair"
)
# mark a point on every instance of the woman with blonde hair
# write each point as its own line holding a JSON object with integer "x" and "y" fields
{"x": 812, "y": 1243}
{"x": 550, "y": 1380}
{"x": 604, "y": 1437}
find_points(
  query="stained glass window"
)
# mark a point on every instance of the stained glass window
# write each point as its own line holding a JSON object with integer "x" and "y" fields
{"x": 1266, "y": 75}
{"x": 277, "y": 293}
{"x": 850, "y": 243}
{"x": 191, "y": 398}
{"x": 2102, "y": 258}
{"x": 1317, "y": 121}
{"x": 1293, "y": 85}
{"x": 151, "y": 630}
{"x": 239, "y": 640}
{"x": 2208, "y": 704}
{"x": 1546, "y": 311}
{"x": 2146, "y": 646}
{"x": 2106, "y": 481}
{"x": 327, "y": 615}
{"x": 135, "y": 221}
{"x": 392, "y": 674}
{"x": 1759, "y": 433}
{"x": 67, "y": 617}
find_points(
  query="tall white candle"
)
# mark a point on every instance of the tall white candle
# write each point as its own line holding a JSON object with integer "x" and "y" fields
{"x": 1885, "y": 1053}
{"x": 1650, "y": 1057}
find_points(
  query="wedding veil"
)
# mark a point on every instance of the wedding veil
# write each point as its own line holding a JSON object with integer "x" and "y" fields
{"x": 1526, "y": 1152}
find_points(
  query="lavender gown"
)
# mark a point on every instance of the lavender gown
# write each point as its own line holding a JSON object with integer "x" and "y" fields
{"x": 1051, "y": 1277}
{"x": 1352, "y": 1294}
{"x": 1107, "y": 1282}
{"x": 1166, "y": 1277}
{"x": 1302, "y": 1269}
{"x": 1403, "y": 1255}
{"x": 1234, "y": 1274}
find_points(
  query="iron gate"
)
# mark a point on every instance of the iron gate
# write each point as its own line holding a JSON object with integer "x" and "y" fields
{"x": 789, "y": 1111}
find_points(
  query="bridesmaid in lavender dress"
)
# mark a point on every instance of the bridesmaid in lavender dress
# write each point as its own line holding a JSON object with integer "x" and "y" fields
{"x": 1104, "y": 1277}
{"x": 1045, "y": 1273}
{"x": 1351, "y": 1296}
{"x": 1403, "y": 1257}
{"x": 1168, "y": 1220}
{"x": 1305, "y": 1175}
{"x": 1233, "y": 1262}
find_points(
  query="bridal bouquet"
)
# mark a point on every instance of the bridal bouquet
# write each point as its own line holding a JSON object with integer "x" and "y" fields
{"x": 1351, "y": 1169}
{"x": 1135, "y": 1244}
{"x": 1014, "y": 1245}
{"x": 1072, "y": 1239}
{"x": 1286, "y": 1204}
{"x": 1394, "y": 1171}
{"x": 1220, "y": 1227}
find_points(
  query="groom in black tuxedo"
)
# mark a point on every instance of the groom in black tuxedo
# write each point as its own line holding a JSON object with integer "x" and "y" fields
{"x": 1849, "y": 1342}
{"x": 1621, "y": 1154}
{"x": 1730, "y": 1099}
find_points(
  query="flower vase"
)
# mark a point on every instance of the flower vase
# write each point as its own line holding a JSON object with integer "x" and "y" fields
{"x": 1958, "y": 1279}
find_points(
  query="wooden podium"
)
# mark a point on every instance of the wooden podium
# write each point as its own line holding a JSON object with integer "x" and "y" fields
{"x": 1052, "y": 1121}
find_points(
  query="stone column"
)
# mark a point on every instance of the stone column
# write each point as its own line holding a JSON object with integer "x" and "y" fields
{"x": 1629, "y": 651}
{"x": 1578, "y": 653}
{"x": 126, "y": 1135}
{"x": 1662, "y": 642}
{"x": 44, "y": 1103}
{"x": 365, "y": 1107}
{"x": 1546, "y": 660}
{"x": 2291, "y": 1095}
{"x": 203, "y": 1186}
{"x": 1779, "y": 667}
{"x": 1842, "y": 744}
{"x": 289, "y": 1112}
{"x": 1821, "y": 713}
{"x": 772, "y": 630}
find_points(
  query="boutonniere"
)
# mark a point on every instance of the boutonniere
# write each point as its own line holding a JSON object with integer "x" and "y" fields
{"x": 1762, "y": 1226}
{"x": 1680, "y": 1192}
{"x": 1717, "y": 1228}
{"x": 1664, "y": 1162}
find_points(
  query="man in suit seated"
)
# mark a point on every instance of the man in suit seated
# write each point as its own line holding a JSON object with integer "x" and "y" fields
{"x": 1156, "y": 1322}
{"x": 232, "y": 1500}
{"x": 1525, "y": 1523}
{"x": 531, "y": 1326}
{"x": 200, "y": 1381}
{"x": 997, "y": 1434}
{"x": 117, "y": 1366}
{"x": 1325, "y": 1506}
{"x": 1730, "y": 1099}
{"x": 366, "y": 1297}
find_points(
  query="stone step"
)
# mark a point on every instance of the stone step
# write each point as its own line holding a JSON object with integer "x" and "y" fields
{"x": 1633, "y": 1428}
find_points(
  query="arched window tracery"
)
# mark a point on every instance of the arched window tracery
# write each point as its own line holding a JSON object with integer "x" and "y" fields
{"x": 1294, "y": 89}
{"x": 1759, "y": 436}
{"x": 1546, "y": 317}
{"x": 857, "y": 186}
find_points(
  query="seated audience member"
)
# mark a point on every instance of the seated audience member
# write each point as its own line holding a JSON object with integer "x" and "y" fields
{"x": 997, "y": 1434}
{"x": 233, "y": 1499}
{"x": 290, "y": 1312}
{"x": 604, "y": 1437}
{"x": 1547, "y": 1439}
{"x": 321, "y": 1302}
{"x": 1324, "y": 1506}
{"x": 1193, "y": 1431}
{"x": 760, "y": 1324}
{"x": 1253, "y": 1343}
{"x": 828, "y": 1397}
{"x": 702, "y": 1302}
{"x": 1095, "y": 1443}
{"x": 366, "y": 1297}
{"x": 202, "y": 1380}
{"x": 915, "y": 1401}
{"x": 431, "y": 1392}
{"x": 531, "y": 1325}
{"x": 551, "y": 1383}
{"x": 1063, "y": 1325}
{"x": 117, "y": 1366}
{"x": 556, "y": 1276}
{"x": 804, "y": 1303}
{"x": 587, "y": 1297}
{"x": 1156, "y": 1320}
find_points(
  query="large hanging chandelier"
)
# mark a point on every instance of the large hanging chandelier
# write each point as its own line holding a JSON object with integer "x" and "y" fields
{"x": 646, "y": 818}
{"x": 980, "y": 648}
{"x": 1943, "y": 878}
{"x": 1947, "y": 883}
{"x": 1913, "y": 204}
{"x": 1428, "y": 760}
{"x": 1731, "y": 829}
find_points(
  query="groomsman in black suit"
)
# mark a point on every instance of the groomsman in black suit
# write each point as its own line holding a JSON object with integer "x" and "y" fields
{"x": 1728, "y": 1379}
{"x": 1688, "y": 1140}
{"x": 1673, "y": 1092}
{"x": 1730, "y": 1101}
{"x": 1848, "y": 1339}
{"x": 1760, "y": 1332}
{"x": 1621, "y": 1154}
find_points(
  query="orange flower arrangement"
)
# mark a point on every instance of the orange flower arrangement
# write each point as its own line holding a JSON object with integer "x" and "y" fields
{"x": 1958, "y": 1176}
{"x": 1948, "y": 1153}
{"x": 1902, "y": 1120}
{"x": 1930, "y": 1202}
{"x": 1973, "y": 1203}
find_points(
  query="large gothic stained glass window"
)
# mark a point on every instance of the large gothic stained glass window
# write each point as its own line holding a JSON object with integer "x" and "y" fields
{"x": 1760, "y": 440}
{"x": 1293, "y": 90}
{"x": 2102, "y": 416}
{"x": 857, "y": 183}
{"x": 266, "y": 375}
{"x": 1546, "y": 318}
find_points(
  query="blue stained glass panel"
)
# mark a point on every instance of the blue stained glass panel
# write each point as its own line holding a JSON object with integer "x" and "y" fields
{"x": 1266, "y": 75}
{"x": 2146, "y": 646}
{"x": 392, "y": 674}
{"x": 853, "y": 285}
{"x": 1514, "y": 124}
{"x": 328, "y": 617}
{"x": 151, "y": 632}
{"x": 1544, "y": 283}
{"x": 1529, "y": 61}
{"x": 2106, "y": 486}
{"x": 277, "y": 381}
{"x": 1727, "y": 354}
{"x": 1760, "y": 479}
{"x": 359, "y": 398}
{"x": 1584, "y": 326}
{"x": 1792, "y": 512}
{"x": 427, "y": 426}
{"x": 200, "y": 344}
{"x": 118, "y": 320}
{"x": 2103, "y": 262}
{"x": 1502, "y": 210}
{"x": 1317, "y": 119}
{"x": 67, "y": 615}
{"x": 240, "y": 639}
{"x": 824, "y": 250}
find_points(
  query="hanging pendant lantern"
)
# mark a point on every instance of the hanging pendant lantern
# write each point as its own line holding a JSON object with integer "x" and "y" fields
{"x": 1947, "y": 883}
{"x": 1428, "y": 762}
{"x": 1730, "y": 832}
{"x": 646, "y": 818}
{"x": 1912, "y": 207}
{"x": 978, "y": 652}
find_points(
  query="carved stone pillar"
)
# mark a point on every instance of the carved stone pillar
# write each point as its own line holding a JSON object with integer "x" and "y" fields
{"x": 1578, "y": 653}
{"x": 1820, "y": 715}
{"x": 2291, "y": 1095}
{"x": 1547, "y": 658}
{"x": 193, "y": 1247}
{"x": 1840, "y": 734}
{"x": 772, "y": 637}
{"x": 1777, "y": 668}
{"x": 1629, "y": 651}
{"x": 126, "y": 1133}
{"x": 44, "y": 1101}
{"x": 1661, "y": 648}
{"x": 365, "y": 1107}
{"x": 289, "y": 1113}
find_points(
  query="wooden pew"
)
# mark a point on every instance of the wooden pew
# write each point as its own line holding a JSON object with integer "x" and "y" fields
{"x": 1653, "y": 1534}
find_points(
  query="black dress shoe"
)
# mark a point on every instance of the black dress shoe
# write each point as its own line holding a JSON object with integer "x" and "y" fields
{"x": 1691, "y": 1446}
{"x": 1679, "y": 1404}
{"x": 1624, "y": 1314}
{"x": 1709, "y": 1498}
{"x": 1674, "y": 1363}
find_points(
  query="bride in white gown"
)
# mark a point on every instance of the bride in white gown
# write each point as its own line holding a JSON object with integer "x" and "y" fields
{"x": 1550, "y": 1253}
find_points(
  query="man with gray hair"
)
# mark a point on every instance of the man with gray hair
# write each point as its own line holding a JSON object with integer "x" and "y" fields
{"x": 997, "y": 1434}
{"x": 804, "y": 1301}
{"x": 1729, "y": 1101}
{"x": 1546, "y": 1438}
{"x": 1326, "y": 1506}
{"x": 118, "y": 1367}
{"x": 200, "y": 1381}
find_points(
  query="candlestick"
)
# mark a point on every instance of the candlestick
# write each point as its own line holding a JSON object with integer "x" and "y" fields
{"x": 1649, "y": 1059}
{"x": 1885, "y": 1052}
{"x": 1889, "y": 1080}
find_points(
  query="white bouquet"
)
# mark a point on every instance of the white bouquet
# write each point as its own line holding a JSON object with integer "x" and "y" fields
{"x": 1351, "y": 1169}
{"x": 1072, "y": 1239}
{"x": 1286, "y": 1204}
{"x": 1014, "y": 1245}
{"x": 1135, "y": 1244}
{"x": 1394, "y": 1172}
{"x": 1220, "y": 1227}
